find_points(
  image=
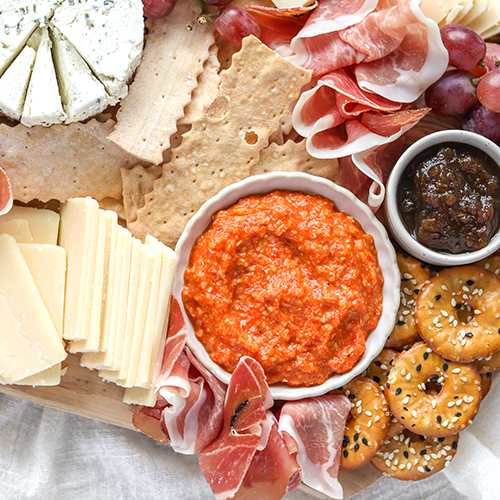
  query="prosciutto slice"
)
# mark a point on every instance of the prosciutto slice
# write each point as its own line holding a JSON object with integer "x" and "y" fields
{"x": 315, "y": 427}
{"x": 6, "y": 198}
{"x": 226, "y": 461}
{"x": 189, "y": 409}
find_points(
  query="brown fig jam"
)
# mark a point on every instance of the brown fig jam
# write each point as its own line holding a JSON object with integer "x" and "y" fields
{"x": 448, "y": 198}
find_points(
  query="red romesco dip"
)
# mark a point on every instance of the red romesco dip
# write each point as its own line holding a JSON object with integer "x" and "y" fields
{"x": 287, "y": 279}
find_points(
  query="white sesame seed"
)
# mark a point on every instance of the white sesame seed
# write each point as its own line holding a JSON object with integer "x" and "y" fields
{"x": 451, "y": 403}
{"x": 455, "y": 370}
{"x": 414, "y": 414}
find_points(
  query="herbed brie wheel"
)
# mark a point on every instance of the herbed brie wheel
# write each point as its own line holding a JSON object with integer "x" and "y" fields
{"x": 63, "y": 61}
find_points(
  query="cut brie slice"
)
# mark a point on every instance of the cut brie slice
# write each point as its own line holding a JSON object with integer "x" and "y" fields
{"x": 109, "y": 35}
{"x": 14, "y": 83}
{"x": 82, "y": 94}
{"x": 43, "y": 103}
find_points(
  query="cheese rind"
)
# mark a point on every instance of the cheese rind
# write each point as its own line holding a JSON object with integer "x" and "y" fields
{"x": 30, "y": 342}
{"x": 43, "y": 224}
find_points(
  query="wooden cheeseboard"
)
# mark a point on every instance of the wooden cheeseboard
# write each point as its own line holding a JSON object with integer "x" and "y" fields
{"x": 83, "y": 392}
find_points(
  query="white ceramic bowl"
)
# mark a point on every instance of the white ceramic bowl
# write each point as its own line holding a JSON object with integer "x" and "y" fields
{"x": 394, "y": 221}
{"x": 345, "y": 201}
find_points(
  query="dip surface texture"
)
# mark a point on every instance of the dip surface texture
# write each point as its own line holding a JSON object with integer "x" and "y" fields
{"x": 287, "y": 279}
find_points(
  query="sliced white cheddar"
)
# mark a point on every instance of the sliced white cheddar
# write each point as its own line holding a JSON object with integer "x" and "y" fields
{"x": 478, "y": 8}
{"x": 154, "y": 339}
{"x": 440, "y": 10}
{"x": 107, "y": 219}
{"x": 467, "y": 6}
{"x": 14, "y": 83}
{"x": 78, "y": 236}
{"x": 83, "y": 95}
{"x": 43, "y": 102}
{"x": 139, "y": 396}
{"x": 291, "y": 4}
{"x": 43, "y": 224}
{"x": 47, "y": 264}
{"x": 490, "y": 17}
{"x": 19, "y": 228}
{"x": 30, "y": 342}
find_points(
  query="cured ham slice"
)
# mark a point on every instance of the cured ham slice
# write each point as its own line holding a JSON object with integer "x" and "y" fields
{"x": 226, "y": 461}
{"x": 315, "y": 427}
{"x": 189, "y": 409}
{"x": 6, "y": 198}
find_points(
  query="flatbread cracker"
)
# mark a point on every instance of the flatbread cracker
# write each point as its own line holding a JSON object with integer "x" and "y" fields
{"x": 137, "y": 182}
{"x": 293, "y": 157}
{"x": 63, "y": 161}
{"x": 114, "y": 205}
{"x": 222, "y": 147}
{"x": 172, "y": 61}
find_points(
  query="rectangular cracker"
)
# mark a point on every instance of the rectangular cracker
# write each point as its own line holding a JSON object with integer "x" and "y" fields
{"x": 172, "y": 61}
{"x": 225, "y": 143}
{"x": 63, "y": 161}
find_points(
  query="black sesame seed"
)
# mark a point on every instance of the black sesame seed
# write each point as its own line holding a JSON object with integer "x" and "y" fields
{"x": 406, "y": 454}
{"x": 352, "y": 396}
{"x": 470, "y": 282}
{"x": 426, "y": 355}
{"x": 437, "y": 297}
{"x": 401, "y": 322}
{"x": 458, "y": 306}
{"x": 445, "y": 367}
{"x": 440, "y": 440}
{"x": 398, "y": 391}
{"x": 499, "y": 330}
{"x": 377, "y": 363}
{"x": 402, "y": 418}
{"x": 458, "y": 414}
{"x": 422, "y": 438}
{"x": 346, "y": 453}
{"x": 416, "y": 291}
{"x": 469, "y": 334}
{"x": 488, "y": 375}
{"x": 439, "y": 419}
{"x": 404, "y": 408}
{"x": 356, "y": 447}
{"x": 376, "y": 378}
{"x": 427, "y": 469}
{"x": 388, "y": 385}
{"x": 435, "y": 377}
{"x": 356, "y": 436}
{"x": 419, "y": 367}
{"x": 454, "y": 445}
{"x": 455, "y": 397}
{"x": 423, "y": 452}
{"x": 365, "y": 441}
{"x": 345, "y": 441}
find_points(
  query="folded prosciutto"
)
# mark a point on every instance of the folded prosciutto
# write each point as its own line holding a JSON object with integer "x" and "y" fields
{"x": 314, "y": 428}
{"x": 188, "y": 413}
{"x": 6, "y": 198}
{"x": 249, "y": 459}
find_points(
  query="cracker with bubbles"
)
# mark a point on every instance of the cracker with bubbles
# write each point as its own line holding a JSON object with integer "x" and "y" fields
{"x": 222, "y": 146}
{"x": 172, "y": 62}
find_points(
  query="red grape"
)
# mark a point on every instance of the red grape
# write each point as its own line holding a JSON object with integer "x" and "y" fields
{"x": 488, "y": 90}
{"x": 234, "y": 24}
{"x": 157, "y": 9}
{"x": 453, "y": 94}
{"x": 483, "y": 121}
{"x": 492, "y": 56}
{"x": 218, "y": 3}
{"x": 465, "y": 47}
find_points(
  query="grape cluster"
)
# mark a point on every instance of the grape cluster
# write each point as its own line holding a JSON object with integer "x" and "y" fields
{"x": 472, "y": 90}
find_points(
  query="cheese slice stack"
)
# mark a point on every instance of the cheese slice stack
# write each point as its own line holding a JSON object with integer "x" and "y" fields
{"x": 63, "y": 60}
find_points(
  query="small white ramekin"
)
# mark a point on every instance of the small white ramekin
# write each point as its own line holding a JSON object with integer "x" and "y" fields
{"x": 394, "y": 221}
{"x": 345, "y": 201}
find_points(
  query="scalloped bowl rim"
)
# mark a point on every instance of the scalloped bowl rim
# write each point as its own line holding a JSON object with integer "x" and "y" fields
{"x": 395, "y": 223}
{"x": 345, "y": 201}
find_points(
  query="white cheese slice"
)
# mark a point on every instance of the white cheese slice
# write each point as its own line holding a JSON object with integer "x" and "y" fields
{"x": 108, "y": 34}
{"x": 18, "y": 20}
{"x": 29, "y": 339}
{"x": 78, "y": 236}
{"x": 478, "y": 8}
{"x": 82, "y": 94}
{"x": 47, "y": 264}
{"x": 154, "y": 338}
{"x": 291, "y": 4}
{"x": 107, "y": 219}
{"x": 43, "y": 224}
{"x": 487, "y": 24}
{"x": 43, "y": 102}
{"x": 19, "y": 228}
{"x": 467, "y": 6}
{"x": 440, "y": 10}
{"x": 14, "y": 84}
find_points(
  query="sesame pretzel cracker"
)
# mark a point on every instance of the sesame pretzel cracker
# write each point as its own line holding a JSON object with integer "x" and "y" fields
{"x": 458, "y": 313}
{"x": 411, "y": 458}
{"x": 380, "y": 367}
{"x": 367, "y": 424}
{"x": 425, "y": 411}
{"x": 413, "y": 275}
{"x": 488, "y": 364}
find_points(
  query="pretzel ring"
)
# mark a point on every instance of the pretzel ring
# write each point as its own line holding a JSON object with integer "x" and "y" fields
{"x": 413, "y": 275}
{"x": 367, "y": 423}
{"x": 379, "y": 368}
{"x": 486, "y": 380}
{"x": 449, "y": 332}
{"x": 414, "y": 457}
{"x": 489, "y": 364}
{"x": 424, "y": 411}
